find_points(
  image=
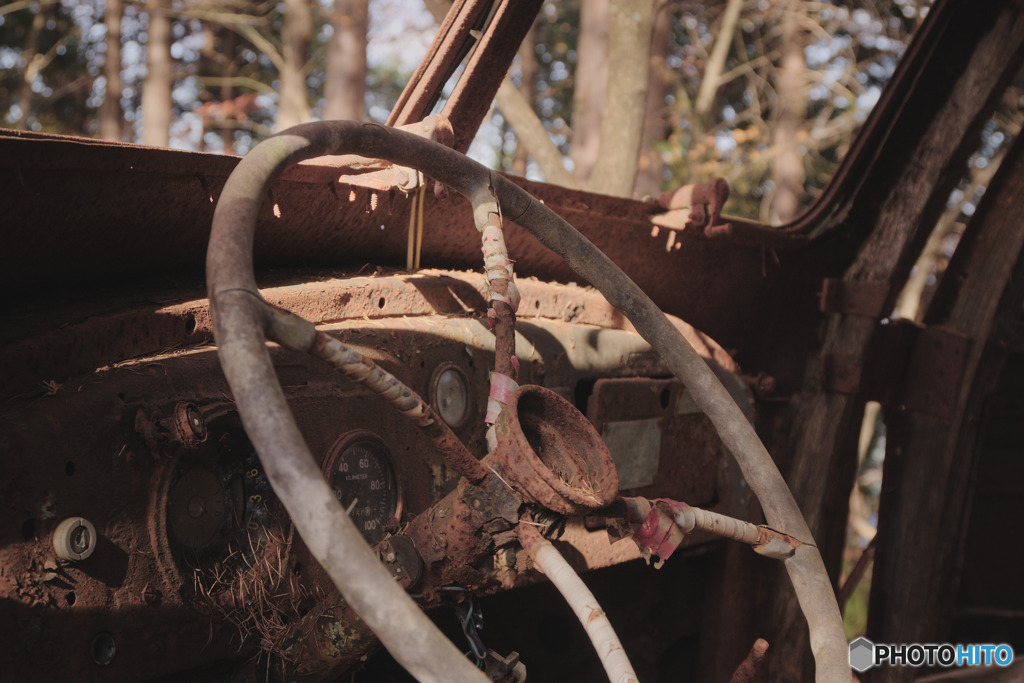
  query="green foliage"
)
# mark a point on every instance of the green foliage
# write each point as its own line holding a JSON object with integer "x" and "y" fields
{"x": 855, "y": 613}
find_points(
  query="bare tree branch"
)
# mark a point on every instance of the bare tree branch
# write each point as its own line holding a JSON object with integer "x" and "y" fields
{"x": 240, "y": 81}
{"x": 532, "y": 134}
{"x": 590, "y": 82}
{"x": 712, "y": 73}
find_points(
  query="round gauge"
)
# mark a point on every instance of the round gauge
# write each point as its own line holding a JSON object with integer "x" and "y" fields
{"x": 360, "y": 473}
{"x": 449, "y": 389}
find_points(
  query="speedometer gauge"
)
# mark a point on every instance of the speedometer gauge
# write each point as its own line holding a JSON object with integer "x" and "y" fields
{"x": 360, "y": 473}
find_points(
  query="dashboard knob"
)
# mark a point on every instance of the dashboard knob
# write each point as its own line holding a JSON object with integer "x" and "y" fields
{"x": 74, "y": 539}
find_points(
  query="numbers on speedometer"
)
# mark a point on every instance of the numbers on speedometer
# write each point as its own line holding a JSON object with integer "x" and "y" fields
{"x": 361, "y": 475}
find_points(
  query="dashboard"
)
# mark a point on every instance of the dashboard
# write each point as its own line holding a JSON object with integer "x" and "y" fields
{"x": 142, "y": 538}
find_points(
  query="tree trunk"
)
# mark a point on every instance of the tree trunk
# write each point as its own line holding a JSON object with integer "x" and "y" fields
{"x": 156, "y": 89}
{"x": 528, "y": 75}
{"x": 293, "y": 101}
{"x": 656, "y": 119}
{"x": 345, "y": 88}
{"x": 111, "y": 118}
{"x": 788, "y": 174}
{"x": 629, "y": 50}
{"x": 589, "y": 87}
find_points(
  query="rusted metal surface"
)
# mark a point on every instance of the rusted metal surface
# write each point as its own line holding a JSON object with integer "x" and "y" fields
{"x": 907, "y": 364}
{"x": 657, "y": 416}
{"x": 547, "y": 454}
{"x": 189, "y": 425}
{"x": 490, "y": 33}
{"x": 488, "y": 63}
{"x": 455, "y": 535}
{"x": 57, "y": 345}
{"x": 704, "y": 202}
{"x": 449, "y": 47}
{"x": 123, "y": 428}
{"x": 936, "y": 368}
{"x": 550, "y": 453}
{"x": 753, "y": 669}
{"x": 327, "y": 223}
{"x": 854, "y": 297}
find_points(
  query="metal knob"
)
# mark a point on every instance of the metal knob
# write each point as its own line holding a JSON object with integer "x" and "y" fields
{"x": 74, "y": 539}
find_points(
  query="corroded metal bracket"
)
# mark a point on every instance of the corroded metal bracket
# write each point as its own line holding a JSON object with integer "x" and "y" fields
{"x": 486, "y": 34}
{"x": 906, "y": 364}
{"x": 851, "y": 297}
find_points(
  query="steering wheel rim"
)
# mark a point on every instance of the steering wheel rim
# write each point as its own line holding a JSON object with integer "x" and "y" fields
{"x": 243, "y": 321}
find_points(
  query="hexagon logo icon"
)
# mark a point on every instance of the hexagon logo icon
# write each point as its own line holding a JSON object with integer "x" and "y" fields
{"x": 862, "y": 655}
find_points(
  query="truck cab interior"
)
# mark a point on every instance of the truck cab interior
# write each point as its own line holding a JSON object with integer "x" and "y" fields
{"x": 260, "y": 416}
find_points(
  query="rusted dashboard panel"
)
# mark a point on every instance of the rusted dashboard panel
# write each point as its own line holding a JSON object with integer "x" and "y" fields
{"x": 194, "y": 563}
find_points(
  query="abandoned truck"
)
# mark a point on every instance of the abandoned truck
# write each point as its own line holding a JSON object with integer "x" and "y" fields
{"x": 243, "y": 440}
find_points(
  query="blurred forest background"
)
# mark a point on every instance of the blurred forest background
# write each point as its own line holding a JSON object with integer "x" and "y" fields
{"x": 624, "y": 97}
{"x": 764, "y": 94}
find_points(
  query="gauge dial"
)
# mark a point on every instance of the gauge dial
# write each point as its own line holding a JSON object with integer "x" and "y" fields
{"x": 361, "y": 475}
{"x": 450, "y": 394}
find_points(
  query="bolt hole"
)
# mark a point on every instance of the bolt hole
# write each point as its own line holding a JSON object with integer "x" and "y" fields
{"x": 70, "y": 598}
{"x": 190, "y": 324}
{"x": 104, "y": 647}
{"x": 536, "y": 303}
{"x": 380, "y": 302}
{"x": 664, "y": 398}
{"x": 69, "y": 468}
{"x": 28, "y": 530}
